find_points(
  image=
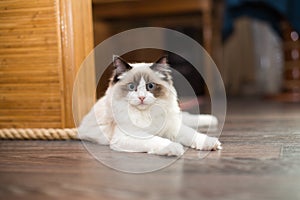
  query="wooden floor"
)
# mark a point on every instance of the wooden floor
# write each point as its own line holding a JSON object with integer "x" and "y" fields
{"x": 260, "y": 160}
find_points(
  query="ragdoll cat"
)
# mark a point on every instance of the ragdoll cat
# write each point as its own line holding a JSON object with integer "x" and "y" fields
{"x": 140, "y": 113}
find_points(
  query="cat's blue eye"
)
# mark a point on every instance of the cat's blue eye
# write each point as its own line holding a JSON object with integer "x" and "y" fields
{"x": 131, "y": 86}
{"x": 150, "y": 86}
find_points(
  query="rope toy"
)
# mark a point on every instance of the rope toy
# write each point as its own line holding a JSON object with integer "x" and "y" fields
{"x": 38, "y": 134}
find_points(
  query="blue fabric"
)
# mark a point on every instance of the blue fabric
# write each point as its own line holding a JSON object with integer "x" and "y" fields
{"x": 271, "y": 11}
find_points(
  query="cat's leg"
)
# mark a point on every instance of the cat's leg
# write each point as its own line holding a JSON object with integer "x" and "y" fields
{"x": 196, "y": 121}
{"x": 91, "y": 131}
{"x": 191, "y": 138}
{"x": 149, "y": 144}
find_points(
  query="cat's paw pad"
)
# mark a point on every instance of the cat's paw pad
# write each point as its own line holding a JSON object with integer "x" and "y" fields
{"x": 173, "y": 149}
{"x": 211, "y": 144}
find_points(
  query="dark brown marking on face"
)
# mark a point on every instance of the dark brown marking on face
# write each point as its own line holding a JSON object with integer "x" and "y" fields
{"x": 159, "y": 91}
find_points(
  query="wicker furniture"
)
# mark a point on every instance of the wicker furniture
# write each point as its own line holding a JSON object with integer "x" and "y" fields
{"x": 42, "y": 44}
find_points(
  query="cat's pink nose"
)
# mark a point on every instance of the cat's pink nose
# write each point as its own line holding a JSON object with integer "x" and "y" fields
{"x": 142, "y": 98}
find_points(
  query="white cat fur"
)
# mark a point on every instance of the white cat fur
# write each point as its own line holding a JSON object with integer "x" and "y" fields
{"x": 122, "y": 124}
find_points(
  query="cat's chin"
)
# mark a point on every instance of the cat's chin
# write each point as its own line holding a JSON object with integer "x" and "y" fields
{"x": 141, "y": 106}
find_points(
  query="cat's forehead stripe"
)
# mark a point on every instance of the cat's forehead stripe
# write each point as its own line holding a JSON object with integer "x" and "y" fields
{"x": 142, "y": 81}
{"x": 137, "y": 78}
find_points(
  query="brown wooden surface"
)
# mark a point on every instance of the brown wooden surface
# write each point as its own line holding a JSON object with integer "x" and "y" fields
{"x": 112, "y": 17}
{"x": 291, "y": 72}
{"x": 260, "y": 160}
{"x": 77, "y": 42}
{"x": 42, "y": 44}
{"x": 29, "y": 63}
{"x": 142, "y": 8}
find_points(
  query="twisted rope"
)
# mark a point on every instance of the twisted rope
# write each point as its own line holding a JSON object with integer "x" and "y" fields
{"x": 38, "y": 134}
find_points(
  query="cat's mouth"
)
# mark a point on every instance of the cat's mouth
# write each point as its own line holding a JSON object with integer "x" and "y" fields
{"x": 141, "y": 103}
{"x": 142, "y": 106}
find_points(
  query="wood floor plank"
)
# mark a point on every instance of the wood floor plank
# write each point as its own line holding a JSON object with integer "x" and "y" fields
{"x": 260, "y": 160}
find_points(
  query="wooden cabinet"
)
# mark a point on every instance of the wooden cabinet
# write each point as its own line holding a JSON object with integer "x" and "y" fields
{"x": 42, "y": 44}
{"x": 112, "y": 17}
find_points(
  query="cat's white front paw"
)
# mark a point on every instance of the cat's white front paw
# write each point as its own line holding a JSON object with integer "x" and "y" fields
{"x": 212, "y": 144}
{"x": 173, "y": 149}
{"x": 206, "y": 143}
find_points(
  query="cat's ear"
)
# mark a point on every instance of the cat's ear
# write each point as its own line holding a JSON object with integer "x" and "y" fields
{"x": 163, "y": 60}
{"x": 121, "y": 66}
{"x": 162, "y": 67}
{"x": 161, "y": 64}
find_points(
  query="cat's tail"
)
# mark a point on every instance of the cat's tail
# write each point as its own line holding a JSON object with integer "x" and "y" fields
{"x": 197, "y": 121}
